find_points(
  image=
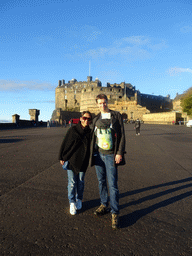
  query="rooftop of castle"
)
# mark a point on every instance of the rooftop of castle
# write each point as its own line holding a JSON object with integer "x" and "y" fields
{"x": 96, "y": 83}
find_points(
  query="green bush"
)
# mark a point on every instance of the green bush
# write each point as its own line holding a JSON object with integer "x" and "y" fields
{"x": 186, "y": 101}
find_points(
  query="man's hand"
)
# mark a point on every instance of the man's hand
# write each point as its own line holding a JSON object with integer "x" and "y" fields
{"x": 118, "y": 159}
{"x": 62, "y": 162}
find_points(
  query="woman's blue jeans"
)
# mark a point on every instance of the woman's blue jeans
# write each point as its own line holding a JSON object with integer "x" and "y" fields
{"x": 107, "y": 171}
{"x": 75, "y": 185}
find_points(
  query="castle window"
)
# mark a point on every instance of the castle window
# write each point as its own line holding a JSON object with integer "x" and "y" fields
{"x": 85, "y": 90}
{"x": 131, "y": 115}
{"x": 120, "y": 97}
{"x": 65, "y": 97}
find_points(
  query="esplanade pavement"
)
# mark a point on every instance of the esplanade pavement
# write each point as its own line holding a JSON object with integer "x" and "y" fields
{"x": 155, "y": 189}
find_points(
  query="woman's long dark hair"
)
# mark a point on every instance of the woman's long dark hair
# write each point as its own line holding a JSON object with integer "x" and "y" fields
{"x": 86, "y": 112}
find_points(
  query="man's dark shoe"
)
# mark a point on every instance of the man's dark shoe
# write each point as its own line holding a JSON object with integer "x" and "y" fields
{"x": 101, "y": 210}
{"x": 115, "y": 221}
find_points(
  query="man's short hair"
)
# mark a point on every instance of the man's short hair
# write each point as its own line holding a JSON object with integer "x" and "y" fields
{"x": 101, "y": 97}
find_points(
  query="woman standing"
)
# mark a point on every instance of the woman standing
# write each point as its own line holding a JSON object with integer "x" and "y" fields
{"x": 74, "y": 157}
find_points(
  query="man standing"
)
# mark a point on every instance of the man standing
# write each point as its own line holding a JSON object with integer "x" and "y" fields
{"x": 107, "y": 151}
{"x": 137, "y": 126}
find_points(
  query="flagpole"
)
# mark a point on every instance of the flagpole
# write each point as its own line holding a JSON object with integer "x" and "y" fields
{"x": 89, "y": 68}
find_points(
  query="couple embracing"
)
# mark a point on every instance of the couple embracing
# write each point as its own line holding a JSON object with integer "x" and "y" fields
{"x": 102, "y": 146}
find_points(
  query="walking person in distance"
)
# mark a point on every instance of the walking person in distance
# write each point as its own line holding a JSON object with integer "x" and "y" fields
{"x": 137, "y": 126}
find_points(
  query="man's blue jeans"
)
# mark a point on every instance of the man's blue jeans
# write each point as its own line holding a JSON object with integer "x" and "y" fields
{"x": 75, "y": 185}
{"x": 106, "y": 171}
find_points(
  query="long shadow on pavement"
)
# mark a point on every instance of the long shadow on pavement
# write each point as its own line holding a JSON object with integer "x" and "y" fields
{"x": 131, "y": 218}
{"x": 154, "y": 187}
{"x": 90, "y": 204}
{"x": 10, "y": 140}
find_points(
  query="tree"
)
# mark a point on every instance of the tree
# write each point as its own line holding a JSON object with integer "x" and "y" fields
{"x": 186, "y": 101}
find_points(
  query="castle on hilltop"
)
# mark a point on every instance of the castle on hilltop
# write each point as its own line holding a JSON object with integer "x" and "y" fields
{"x": 77, "y": 96}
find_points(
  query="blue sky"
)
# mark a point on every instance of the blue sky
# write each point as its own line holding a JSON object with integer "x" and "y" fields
{"x": 145, "y": 43}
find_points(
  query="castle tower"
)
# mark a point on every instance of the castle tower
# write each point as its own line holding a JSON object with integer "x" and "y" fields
{"x": 89, "y": 79}
{"x": 15, "y": 118}
{"x": 34, "y": 113}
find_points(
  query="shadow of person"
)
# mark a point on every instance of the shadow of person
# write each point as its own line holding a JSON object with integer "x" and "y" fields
{"x": 156, "y": 195}
{"x": 10, "y": 140}
{"x": 87, "y": 205}
{"x": 132, "y": 218}
{"x": 137, "y": 191}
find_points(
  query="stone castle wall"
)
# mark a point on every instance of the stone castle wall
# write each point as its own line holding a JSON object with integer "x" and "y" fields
{"x": 162, "y": 118}
{"x": 177, "y": 104}
{"x": 68, "y": 96}
{"x": 89, "y": 95}
{"x": 129, "y": 109}
{"x": 123, "y": 97}
{"x": 67, "y": 115}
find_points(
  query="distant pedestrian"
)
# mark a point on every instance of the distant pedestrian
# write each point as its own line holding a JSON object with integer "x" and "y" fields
{"x": 48, "y": 124}
{"x": 137, "y": 126}
{"x": 74, "y": 157}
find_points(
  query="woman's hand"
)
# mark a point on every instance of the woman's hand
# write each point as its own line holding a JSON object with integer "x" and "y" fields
{"x": 62, "y": 162}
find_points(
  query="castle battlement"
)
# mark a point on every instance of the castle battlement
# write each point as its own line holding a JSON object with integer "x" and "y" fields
{"x": 80, "y": 96}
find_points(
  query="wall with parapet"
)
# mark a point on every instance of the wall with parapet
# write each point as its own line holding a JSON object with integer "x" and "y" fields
{"x": 129, "y": 108}
{"x": 162, "y": 118}
{"x": 89, "y": 95}
{"x": 21, "y": 124}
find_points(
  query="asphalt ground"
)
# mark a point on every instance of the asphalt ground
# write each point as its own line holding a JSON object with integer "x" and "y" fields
{"x": 155, "y": 196}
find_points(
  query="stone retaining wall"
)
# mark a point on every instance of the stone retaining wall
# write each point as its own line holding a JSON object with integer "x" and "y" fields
{"x": 162, "y": 118}
{"x": 21, "y": 124}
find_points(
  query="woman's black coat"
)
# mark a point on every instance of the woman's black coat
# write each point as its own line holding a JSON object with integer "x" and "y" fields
{"x": 75, "y": 148}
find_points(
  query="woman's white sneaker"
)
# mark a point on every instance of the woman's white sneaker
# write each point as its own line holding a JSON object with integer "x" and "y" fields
{"x": 78, "y": 204}
{"x": 72, "y": 209}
